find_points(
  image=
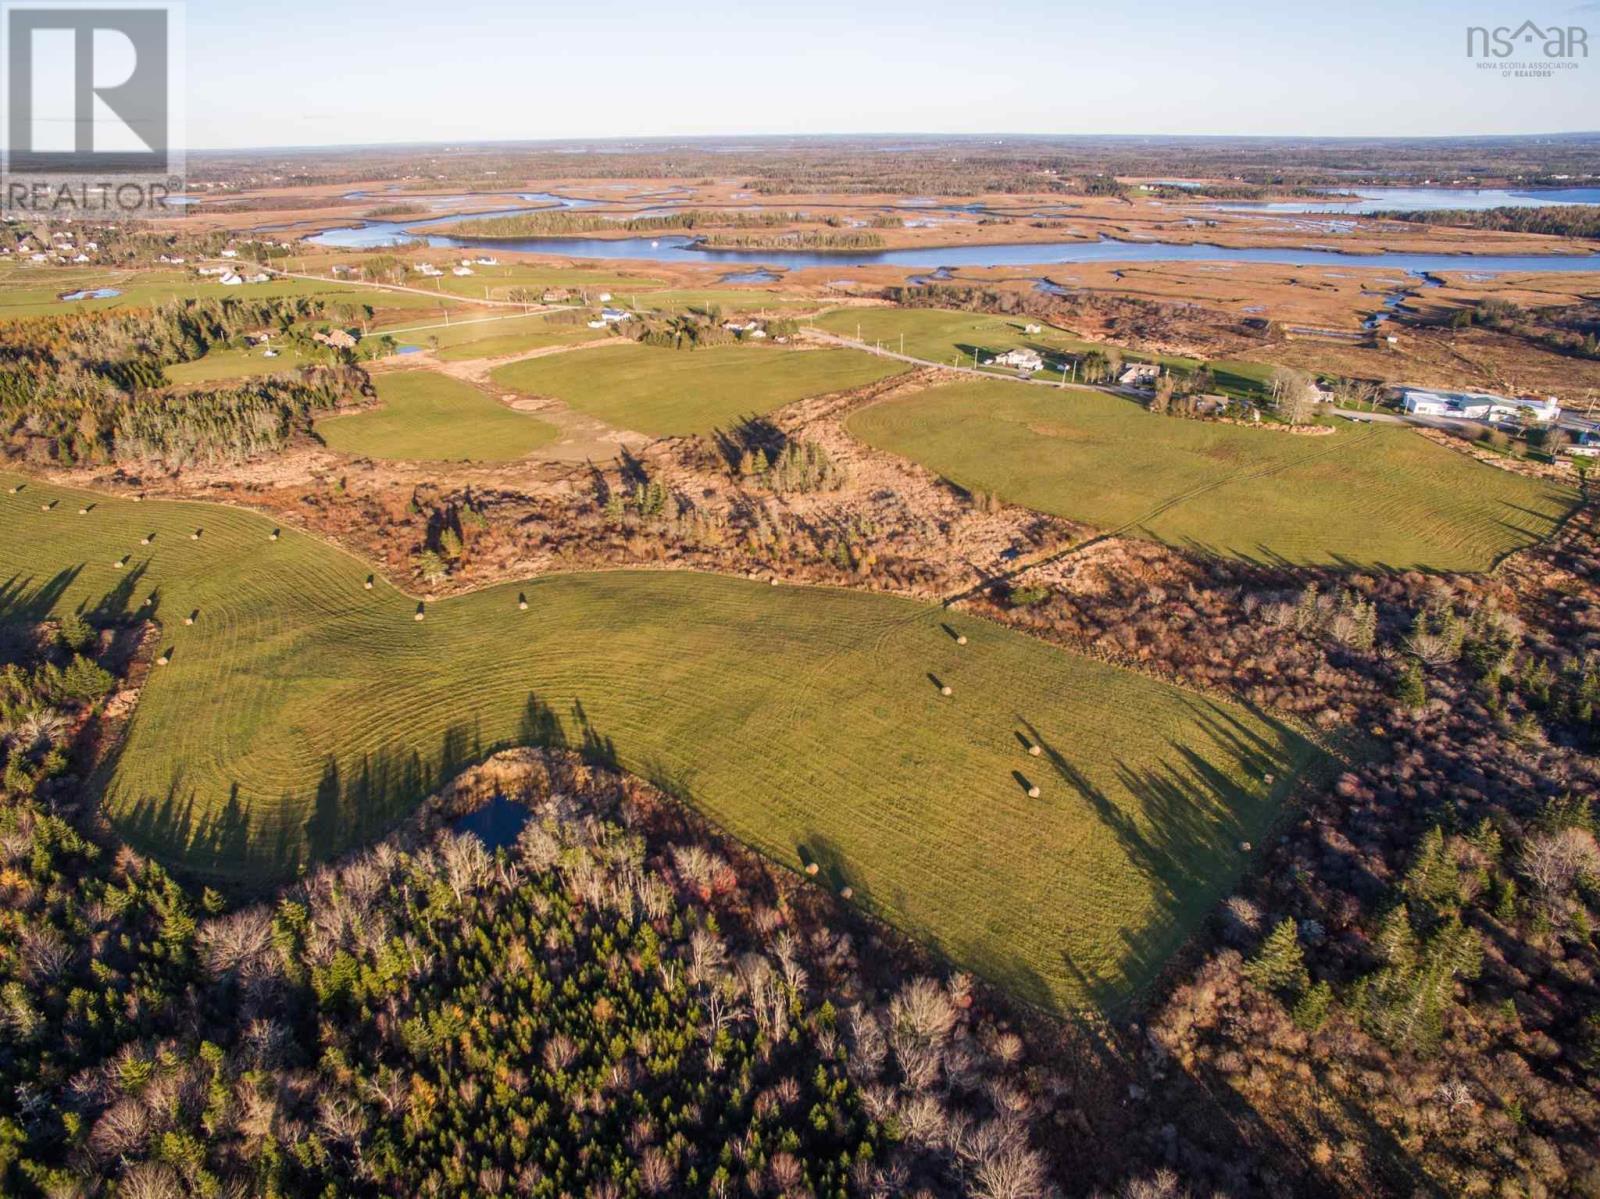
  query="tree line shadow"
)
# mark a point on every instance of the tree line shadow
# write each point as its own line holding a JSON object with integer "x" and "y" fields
{"x": 356, "y": 799}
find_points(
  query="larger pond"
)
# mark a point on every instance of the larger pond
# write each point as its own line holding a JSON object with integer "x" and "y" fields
{"x": 678, "y": 248}
{"x": 1423, "y": 199}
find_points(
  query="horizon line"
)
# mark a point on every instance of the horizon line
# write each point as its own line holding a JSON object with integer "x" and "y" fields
{"x": 553, "y": 142}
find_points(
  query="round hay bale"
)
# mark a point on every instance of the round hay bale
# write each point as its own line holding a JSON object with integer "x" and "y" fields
{"x": 522, "y": 605}
{"x": 366, "y": 583}
{"x": 811, "y": 869}
{"x": 120, "y": 563}
{"x": 273, "y": 536}
{"x": 1034, "y": 751}
{"x": 163, "y": 660}
{"x": 138, "y": 499}
{"x": 961, "y": 640}
{"x": 189, "y": 619}
{"x": 1244, "y": 847}
{"x": 46, "y": 507}
{"x": 144, "y": 541}
{"x": 773, "y": 581}
{"x": 195, "y": 536}
{"x": 1033, "y": 791}
{"x": 1268, "y": 777}
{"x": 419, "y": 615}
{"x": 847, "y": 892}
{"x": 83, "y": 511}
{"x": 945, "y": 690}
{"x": 16, "y": 489}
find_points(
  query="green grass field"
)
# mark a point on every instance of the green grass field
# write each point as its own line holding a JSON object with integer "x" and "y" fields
{"x": 1368, "y": 496}
{"x": 668, "y": 393}
{"x": 429, "y": 417}
{"x": 490, "y": 336}
{"x": 938, "y": 335}
{"x": 301, "y": 715}
{"x": 235, "y": 364}
{"x": 32, "y": 292}
{"x": 730, "y": 300}
{"x": 505, "y": 277}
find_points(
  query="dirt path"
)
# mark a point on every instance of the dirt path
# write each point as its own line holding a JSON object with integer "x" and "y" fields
{"x": 581, "y": 438}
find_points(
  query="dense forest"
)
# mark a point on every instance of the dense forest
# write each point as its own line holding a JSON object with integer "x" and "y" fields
{"x": 88, "y": 388}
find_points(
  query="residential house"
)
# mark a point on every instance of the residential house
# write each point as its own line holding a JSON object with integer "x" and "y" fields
{"x": 230, "y": 253}
{"x": 612, "y": 316}
{"x": 1140, "y": 374}
{"x": 229, "y": 279}
{"x": 1025, "y": 361}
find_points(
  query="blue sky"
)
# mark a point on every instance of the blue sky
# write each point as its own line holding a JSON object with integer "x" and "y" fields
{"x": 328, "y": 72}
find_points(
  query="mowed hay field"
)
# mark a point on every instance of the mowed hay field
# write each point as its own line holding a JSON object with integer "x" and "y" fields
{"x": 491, "y": 336}
{"x": 301, "y": 714}
{"x": 429, "y": 417}
{"x": 1370, "y": 496}
{"x": 677, "y": 393}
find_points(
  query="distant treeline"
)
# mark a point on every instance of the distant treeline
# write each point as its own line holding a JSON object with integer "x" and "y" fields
{"x": 795, "y": 239}
{"x": 1557, "y": 220}
{"x": 564, "y": 222}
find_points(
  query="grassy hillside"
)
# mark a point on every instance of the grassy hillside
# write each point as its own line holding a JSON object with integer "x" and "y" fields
{"x": 430, "y": 417}
{"x": 1371, "y": 496}
{"x": 302, "y": 713}
{"x": 665, "y": 392}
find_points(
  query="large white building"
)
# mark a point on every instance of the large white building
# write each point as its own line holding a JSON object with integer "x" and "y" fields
{"x": 1477, "y": 405}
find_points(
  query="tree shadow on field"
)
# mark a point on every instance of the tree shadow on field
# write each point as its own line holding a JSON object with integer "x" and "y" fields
{"x": 20, "y": 600}
{"x": 246, "y": 841}
{"x": 1178, "y": 821}
{"x": 750, "y": 434}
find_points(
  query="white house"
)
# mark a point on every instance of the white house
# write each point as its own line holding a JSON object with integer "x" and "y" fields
{"x": 1022, "y": 360}
{"x": 1033, "y": 329}
{"x": 604, "y": 297}
{"x": 1586, "y": 446}
{"x": 1140, "y": 374}
{"x": 230, "y": 253}
{"x": 258, "y": 277}
{"x": 229, "y": 279}
{"x": 461, "y": 270}
{"x": 612, "y": 316}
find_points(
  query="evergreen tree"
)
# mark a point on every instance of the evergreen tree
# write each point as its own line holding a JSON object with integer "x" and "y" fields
{"x": 1279, "y": 965}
